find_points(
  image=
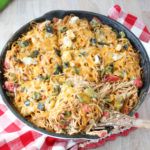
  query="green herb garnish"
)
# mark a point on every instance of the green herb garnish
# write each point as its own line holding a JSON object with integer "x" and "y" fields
{"x": 57, "y": 52}
{"x": 66, "y": 64}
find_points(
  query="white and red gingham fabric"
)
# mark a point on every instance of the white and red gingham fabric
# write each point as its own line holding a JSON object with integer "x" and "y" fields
{"x": 14, "y": 135}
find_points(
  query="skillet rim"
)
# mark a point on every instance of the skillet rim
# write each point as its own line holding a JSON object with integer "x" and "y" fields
{"x": 60, "y": 14}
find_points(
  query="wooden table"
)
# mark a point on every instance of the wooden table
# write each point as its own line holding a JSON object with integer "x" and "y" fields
{"x": 21, "y": 11}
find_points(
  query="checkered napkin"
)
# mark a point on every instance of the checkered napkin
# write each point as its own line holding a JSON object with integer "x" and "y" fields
{"x": 14, "y": 135}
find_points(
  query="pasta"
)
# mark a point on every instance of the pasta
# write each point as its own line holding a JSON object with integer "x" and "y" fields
{"x": 63, "y": 73}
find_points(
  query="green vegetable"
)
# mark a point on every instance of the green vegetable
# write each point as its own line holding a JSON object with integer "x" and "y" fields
{"x": 125, "y": 46}
{"x": 101, "y": 72}
{"x": 122, "y": 34}
{"x": 41, "y": 106}
{"x": 8, "y": 94}
{"x": 90, "y": 92}
{"x": 34, "y": 54}
{"x": 58, "y": 69}
{"x": 103, "y": 43}
{"x": 47, "y": 77}
{"x": 95, "y": 22}
{"x": 123, "y": 73}
{"x": 109, "y": 69}
{"x": 23, "y": 89}
{"x": 37, "y": 96}
{"x": 63, "y": 29}
{"x": 76, "y": 70}
{"x": 57, "y": 52}
{"x": 27, "y": 103}
{"x": 107, "y": 99}
{"x": 84, "y": 98}
{"x": 93, "y": 41}
{"x": 116, "y": 32}
{"x": 44, "y": 78}
{"x": 13, "y": 76}
{"x": 67, "y": 113}
{"x": 56, "y": 89}
{"x": 16, "y": 59}
{"x": 82, "y": 54}
{"x": 66, "y": 64}
{"x": 49, "y": 29}
{"x": 118, "y": 105}
{"x": 24, "y": 43}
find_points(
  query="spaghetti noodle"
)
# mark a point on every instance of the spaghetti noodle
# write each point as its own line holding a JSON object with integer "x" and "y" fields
{"x": 63, "y": 73}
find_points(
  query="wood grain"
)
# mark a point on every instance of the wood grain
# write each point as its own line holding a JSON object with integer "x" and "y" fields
{"x": 20, "y": 12}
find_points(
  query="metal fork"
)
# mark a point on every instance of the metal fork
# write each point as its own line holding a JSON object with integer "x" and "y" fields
{"x": 114, "y": 122}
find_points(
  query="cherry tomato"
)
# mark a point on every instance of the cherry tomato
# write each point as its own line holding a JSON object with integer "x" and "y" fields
{"x": 138, "y": 82}
{"x": 111, "y": 78}
{"x": 9, "y": 86}
{"x": 86, "y": 108}
{"x": 55, "y": 19}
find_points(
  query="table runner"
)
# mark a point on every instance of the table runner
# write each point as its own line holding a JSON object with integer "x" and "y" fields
{"x": 14, "y": 135}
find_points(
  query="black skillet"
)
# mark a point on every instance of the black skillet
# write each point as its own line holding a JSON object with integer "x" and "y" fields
{"x": 82, "y": 14}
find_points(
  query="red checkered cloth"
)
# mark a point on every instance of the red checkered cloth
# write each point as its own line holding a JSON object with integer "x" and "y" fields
{"x": 14, "y": 135}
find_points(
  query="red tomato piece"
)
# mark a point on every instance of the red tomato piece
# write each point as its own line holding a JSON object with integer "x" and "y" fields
{"x": 106, "y": 114}
{"x": 86, "y": 108}
{"x": 9, "y": 86}
{"x": 102, "y": 133}
{"x": 111, "y": 78}
{"x": 125, "y": 110}
{"x": 138, "y": 82}
{"x": 98, "y": 20}
{"x": 6, "y": 65}
{"x": 43, "y": 97}
{"x": 55, "y": 19}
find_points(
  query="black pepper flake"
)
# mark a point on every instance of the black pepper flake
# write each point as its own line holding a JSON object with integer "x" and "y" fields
{"x": 58, "y": 69}
{"x": 57, "y": 52}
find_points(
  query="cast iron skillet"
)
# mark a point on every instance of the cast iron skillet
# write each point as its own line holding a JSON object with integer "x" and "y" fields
{"x": 82, "y": 14}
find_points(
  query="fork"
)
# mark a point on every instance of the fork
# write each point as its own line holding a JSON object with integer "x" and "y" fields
{"x": 114, "y": 122}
